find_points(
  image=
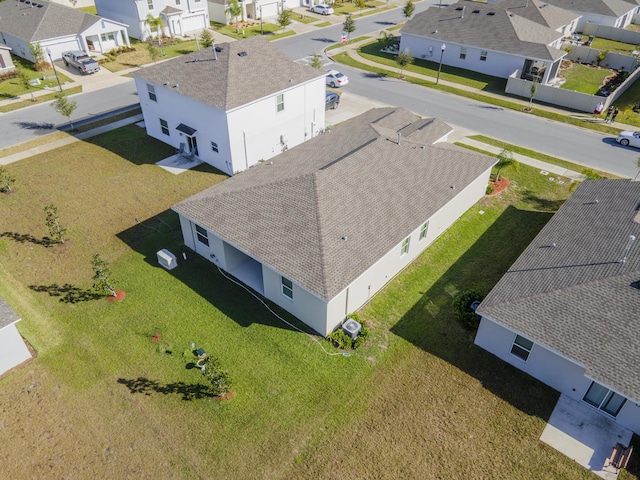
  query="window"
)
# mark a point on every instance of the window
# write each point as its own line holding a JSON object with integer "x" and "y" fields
{"x": 405, "y": 246}
{"x": 177, "y": 2}
{"x": 521, "y": 348}
{"x": 150, "y": 4}
{"x": 463, "y": 53}
{"x": 604, "y": 399}
{"x": 280, "y": 102}
{"x": 214, "y": 147}
{"x": 201, "y": 234}
{"x": 423, "y": 230}
{"x": 287, "y": 288}
{"x": 164, "y": 126}
{"x": 483, "y": 55}
{"x": 108, "y": 36}
{"x": 152, "y": 92}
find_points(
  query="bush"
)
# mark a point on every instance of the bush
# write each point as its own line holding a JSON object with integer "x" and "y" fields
{"x": 489, "y": 189}
{"x": 341, "y": 339}
{"x": 467, "y": 318}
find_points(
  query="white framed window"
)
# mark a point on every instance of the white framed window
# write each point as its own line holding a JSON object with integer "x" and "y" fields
{"x": 177, "y": 2}
{"x": 423, "y": 230}
{"x": 287, "y": 288}
{"x": 201, "y": 235}
{"x": 152, "y": 92}
{"x": 150, "y": 4}
{"x": 405, "y": 246}
{"x": 463, "y": 53}
{"x": 280, "y": 103}
{"x": 108, "y": 37}
{"x": 164, "y": 126}
{"x": 521, "y": 348}
{"x": 604, "y": 399}
{"x": 483, "y": 55}
{"x": 214, "y": 147}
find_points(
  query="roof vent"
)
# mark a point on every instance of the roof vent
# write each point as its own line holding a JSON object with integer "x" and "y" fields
{"x": 491, "y": 13}
{"x": 344, "y": 237}
{"x": 476, "y": 11}
{"x": 458, "y": 8}
{"x": 242, "y": 54}
{"x": 177, "y": 85}
{"x": 636, "y": 284}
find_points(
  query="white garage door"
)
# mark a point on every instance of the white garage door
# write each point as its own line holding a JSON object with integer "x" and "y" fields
{"x": 196, "y": 22}
{"x": 269, "y": 10}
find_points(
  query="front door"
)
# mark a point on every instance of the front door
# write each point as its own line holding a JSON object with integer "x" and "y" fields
{"x": 193, "y": 145}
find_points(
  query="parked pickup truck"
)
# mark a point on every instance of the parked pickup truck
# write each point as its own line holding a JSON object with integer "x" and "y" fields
{"x": 81, "y": 61}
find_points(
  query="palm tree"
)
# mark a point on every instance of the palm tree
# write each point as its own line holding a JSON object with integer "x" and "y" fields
{"x": 234, "y": 10}
{"x": 505, "y": 158}
{"x": 155, "y": 23}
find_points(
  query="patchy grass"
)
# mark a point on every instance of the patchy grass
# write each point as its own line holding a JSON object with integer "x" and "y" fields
{"x": 106, "y": 398}
{"x": 252, "y": 29}
{"x": 304, "y": 18}
{"x": 140, "y": 56}
{"x": 13, "y": 87}
{"x": 584, "y": 78}
{"x": 613, "y": 46}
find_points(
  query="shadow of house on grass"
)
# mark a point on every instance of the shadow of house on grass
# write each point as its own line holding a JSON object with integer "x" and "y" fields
{"x": 163, "y": 232}
{"x": 189, "y": 391}
{"x": 430, "y": 323}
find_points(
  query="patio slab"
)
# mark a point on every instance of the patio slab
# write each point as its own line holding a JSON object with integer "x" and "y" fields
{"x": 178, "y": 164}
{"x": 588, "y": 437}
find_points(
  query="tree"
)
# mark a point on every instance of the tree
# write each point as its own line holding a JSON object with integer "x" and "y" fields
{"x": 64, "y": 106}
{"x": 408, "y": 9}
{"x": 602, "y": 54}
{"x": 25, "y": 81}
{"x": 56, "y": 231}
{"x": 234, "y": 10}
{"x": 154, "y": 52}
{"x": 404, "y": 58}
{"x": 505, "y": 158}
{"x": 284, "y": 19}
{"x": 361, "y": 4}
{"x": 532, "y": 92}
{"x": 349, "y": 26}
{"x": 6, "y": 181}
{"x": 316, "y": 61}
{"x": 386, "y": 39}
{"x": 102, "y": 276}
{"x": 219, "y": 379}
{"x": 206, "y": 38}
{"x": 38, "y": 56}
{"x": 157, "y": 24}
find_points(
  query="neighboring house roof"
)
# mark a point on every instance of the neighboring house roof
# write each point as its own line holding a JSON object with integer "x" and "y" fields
{"x": 355, "y": 182}
{"x": 43, "y": 20}
{"x": 506, "y": 26}
{"x": 569, "y": 290}
{"x": 609, "y": 8}
{"x": 7, "y": 315}
{"x": 239, "y": 73}
{"x": 4, "y": 47}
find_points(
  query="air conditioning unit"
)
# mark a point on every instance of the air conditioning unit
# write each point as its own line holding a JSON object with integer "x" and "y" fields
{"x": 167, "y": 259}
{"x": 351, "y": 328}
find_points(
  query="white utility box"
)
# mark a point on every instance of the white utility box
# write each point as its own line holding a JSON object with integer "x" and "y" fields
{"x": 167, "y": 259}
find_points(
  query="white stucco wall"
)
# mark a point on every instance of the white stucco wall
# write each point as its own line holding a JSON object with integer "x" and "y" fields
{"x": 14, "y": 351}
{"x": 549, "y": 367}
{"x": 123, "y": 11}
{"x": 619, "y": 22}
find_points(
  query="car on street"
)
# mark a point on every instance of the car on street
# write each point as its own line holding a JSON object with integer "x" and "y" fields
{"x": 322, "y": 9}
{"x": 630, "y": 138}
{"x": 332, "y": 100}
{"x": 336, "y": 79}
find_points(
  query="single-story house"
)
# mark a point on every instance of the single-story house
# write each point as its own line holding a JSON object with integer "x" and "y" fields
{"x": 6, "y": 63}
{"x": 494, "y": 38}
{"x": 179, "y": 17}
{"x": 14, "y": 351}
{"x": 232, "y": 105}
{"x": 612, "y": 13}
{"x": 321, "y": 228}
{"x": 568, "y": 310}
{"x": 57, "y": 28}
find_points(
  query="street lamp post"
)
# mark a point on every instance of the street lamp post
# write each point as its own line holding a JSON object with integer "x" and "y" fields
{"x": 261, "y": 32}
{"x": 54, "y": 68}
{"x": 442, "y": 48}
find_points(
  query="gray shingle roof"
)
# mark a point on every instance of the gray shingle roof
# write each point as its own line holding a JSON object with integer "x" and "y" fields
{"x": 354, "y": 182}
{"x": 232, "y": 80}
{"x": 507, "y": 26}
{"x": 576, "y": 298}
{"x": 611, "y": 8}
{"x": 44, "y": 20}
{"x": 7, "y": 315}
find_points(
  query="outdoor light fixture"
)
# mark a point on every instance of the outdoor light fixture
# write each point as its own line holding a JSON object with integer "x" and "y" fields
{"x": 442, "y": 49}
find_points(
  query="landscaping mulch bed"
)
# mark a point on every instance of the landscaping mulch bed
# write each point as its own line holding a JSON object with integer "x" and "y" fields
{"x": 499, "y": 186}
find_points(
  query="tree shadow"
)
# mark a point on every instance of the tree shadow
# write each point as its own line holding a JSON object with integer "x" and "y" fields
{"x": 35, "y": 125}
{"x": 68, "y": 293}
{"x": 28, "y": 238}
{"x": 545, "y": 204}
{"x": 430, "y": 323}
{"x": 188, "y": 391}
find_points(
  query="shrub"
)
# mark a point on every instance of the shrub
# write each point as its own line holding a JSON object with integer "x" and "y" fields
{"x": 489, "y": 189}
{"x": 467, "y": 318}
{"x": 341, "y": 339}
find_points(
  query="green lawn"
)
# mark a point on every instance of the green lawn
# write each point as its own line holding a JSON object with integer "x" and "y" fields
{"x": 140, "y": 56}
{"x": 12, "y": 87}
{"x": 613, "y": 46}
{"x": 584, "y": 78}
{"x": 102, "y": 397}
{"x": 270, "y": 30}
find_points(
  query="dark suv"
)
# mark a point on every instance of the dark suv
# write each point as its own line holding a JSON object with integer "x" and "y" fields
{"x": 332, "y": 100}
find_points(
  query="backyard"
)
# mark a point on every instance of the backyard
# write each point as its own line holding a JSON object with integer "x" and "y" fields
{"x": 418, "y": 400}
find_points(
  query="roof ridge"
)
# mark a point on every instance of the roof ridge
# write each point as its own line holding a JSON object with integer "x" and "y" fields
{"x": 321, "y": 237}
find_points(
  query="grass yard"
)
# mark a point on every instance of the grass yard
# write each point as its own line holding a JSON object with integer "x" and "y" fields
{"x": 252, "y": 29}
{"x": 613, "y": 46}
{"x": 584, "y": 78}
{"x": 419, "y": 400}
{"x": 13, "y": 87}
{"x": 140, "y": 56}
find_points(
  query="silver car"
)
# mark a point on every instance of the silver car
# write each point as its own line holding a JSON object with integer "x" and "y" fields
{"x": 630, "y": 138}
{"x": 322, "y": 9}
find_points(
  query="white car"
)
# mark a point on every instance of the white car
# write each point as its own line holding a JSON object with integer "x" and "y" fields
{"x": 336, "y": 79}
{"x": 629, "y": 138}
{"x": 322, "y": 9}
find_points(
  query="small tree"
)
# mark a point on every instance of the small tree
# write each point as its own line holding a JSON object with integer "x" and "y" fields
{"x": 386, "y": 39}
{"x": 349, "y": 26}
{"x": 403, "y": 59}
{"x": 234, "y": 10}
{"x": 284, "y": 19}
{"x": 316, "y": 61}
{"x": 505, "y": 158}
{"x": 408, "y": 10}
{"x": 157, "y": 24}
{"x": 602, "y": 54}
{"x": 56, "y": 231}
{"x": 361, "y": 4}
{"x": 532, "y": 92}
{"x": 64, "y": 106}
{"x": 154, "y": 52}
{"x": 38, "y": 56}
{"x": 25, "y": 81}
{"x": 206, "y": 38}
{"x": 219, "y": 379}
{"x": 102, "y": 276}
{"x": 6, "y": 181}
